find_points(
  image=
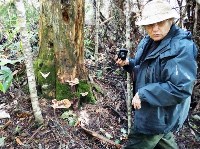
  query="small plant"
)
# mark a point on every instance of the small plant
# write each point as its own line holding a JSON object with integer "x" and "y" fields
{"x": 5, "y": 78}
{"x": 124, "y": 134}
{"x": 6, "y": 75}
{"x": 89, "y": 44}
{"x": 70, "y": 117}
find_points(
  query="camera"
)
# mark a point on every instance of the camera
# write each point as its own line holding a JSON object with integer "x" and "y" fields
{"x": 122, "y": 54}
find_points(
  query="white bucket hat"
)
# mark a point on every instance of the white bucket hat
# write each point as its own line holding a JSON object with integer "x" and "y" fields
{"x": 156, "y": 11}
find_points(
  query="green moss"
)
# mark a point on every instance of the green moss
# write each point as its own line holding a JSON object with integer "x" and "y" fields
{"x": 47, "y": 85}
{"x": 83, "y": 87}
{"x": 51, "y": 88}
{"x": 63, "y": 91}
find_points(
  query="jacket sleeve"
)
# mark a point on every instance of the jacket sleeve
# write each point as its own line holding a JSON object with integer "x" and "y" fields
{"x": 178, "y": 77}
{"x": 129, "y": 68}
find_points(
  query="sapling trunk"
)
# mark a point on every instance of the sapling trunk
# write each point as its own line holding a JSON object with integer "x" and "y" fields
{"x": 128, "y": 46}
{"x": 28, "y": 60}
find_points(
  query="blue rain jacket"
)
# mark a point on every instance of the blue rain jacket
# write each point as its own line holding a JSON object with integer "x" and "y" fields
{"x": 164, "y": 82}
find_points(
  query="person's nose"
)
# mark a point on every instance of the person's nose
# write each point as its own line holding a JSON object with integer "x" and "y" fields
{"x": 155, "y": 27}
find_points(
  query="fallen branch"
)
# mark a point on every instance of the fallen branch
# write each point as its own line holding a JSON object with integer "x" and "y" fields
{"x": 7, "y": 124}
{"x": 31, "y": 138}
{"x": 100, "y": 137}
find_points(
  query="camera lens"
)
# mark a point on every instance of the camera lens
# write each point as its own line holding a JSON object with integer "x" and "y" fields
{"x": 122, "y": 55}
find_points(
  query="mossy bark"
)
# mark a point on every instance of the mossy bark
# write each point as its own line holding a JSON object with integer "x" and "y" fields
{"x": 61, "y": 48}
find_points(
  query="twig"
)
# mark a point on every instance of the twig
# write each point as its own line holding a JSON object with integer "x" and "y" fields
{"x": 100, "y": 137}
{"x": 7, "y": 124}
{"x": 102, "y": 23}
{"x": 31, "y": 138}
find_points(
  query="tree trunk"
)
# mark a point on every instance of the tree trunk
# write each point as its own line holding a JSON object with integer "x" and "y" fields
{"x": 196, "y": 31}
{"x": 28, "y": 60}
{"x": 61, "y": 48}
{"x": 128, "y": 46}
{"x": 97, "y": 32}
{"x": 119, "y": 3}
{"x": 197, "y": 25}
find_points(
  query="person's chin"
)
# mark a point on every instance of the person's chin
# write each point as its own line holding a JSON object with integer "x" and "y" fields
{"x": 157, "y": 38}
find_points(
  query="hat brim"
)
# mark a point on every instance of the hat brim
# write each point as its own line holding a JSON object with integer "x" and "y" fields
{"x": 157, "y": 18}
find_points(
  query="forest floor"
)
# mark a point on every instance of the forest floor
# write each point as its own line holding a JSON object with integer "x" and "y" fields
{"x": 102, "y": 125}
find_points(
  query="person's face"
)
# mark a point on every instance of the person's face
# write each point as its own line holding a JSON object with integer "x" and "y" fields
{"x": 159, "y": 30}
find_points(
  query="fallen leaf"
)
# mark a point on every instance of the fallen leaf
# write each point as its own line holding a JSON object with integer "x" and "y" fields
{"x": 4, "y": 114}
{"x": 109, "y": 136}
{"x": 2, "y": 106}
{"x": 84, "y": 118}
{"x": 23, "y": 115}
{"x": 18, "y": 141}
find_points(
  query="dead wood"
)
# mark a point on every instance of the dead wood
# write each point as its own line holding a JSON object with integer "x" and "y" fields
{"x": 100, "y": 137}
{"x": 6, "y": 125}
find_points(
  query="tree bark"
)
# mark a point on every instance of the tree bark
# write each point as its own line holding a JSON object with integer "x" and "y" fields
{"x": 28, "y": 60}
{"x": 61, "y": 47}
{"x": 128, "y": 46}
{"x": 119, "y": 3}
{"x": 197, "y": 25}
{"x": 97, "y": 32}
{"x": 196, "y": 31}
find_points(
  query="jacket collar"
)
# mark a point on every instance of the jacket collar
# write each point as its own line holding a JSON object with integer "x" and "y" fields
{"x": 164, "y": 45}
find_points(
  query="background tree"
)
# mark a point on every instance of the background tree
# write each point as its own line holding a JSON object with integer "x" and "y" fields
{"x": 61, "y": 53}
{"x": 128, "y": 46}
{"x": 197, "y": 23}
{"x": 191, "y": 22}
{"x": 97, "y": 31}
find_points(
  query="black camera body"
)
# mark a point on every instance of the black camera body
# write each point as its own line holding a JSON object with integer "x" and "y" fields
{"x": 122, "y": 54}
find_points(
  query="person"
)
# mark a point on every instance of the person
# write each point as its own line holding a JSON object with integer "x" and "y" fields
{"x": 165, "y": 70}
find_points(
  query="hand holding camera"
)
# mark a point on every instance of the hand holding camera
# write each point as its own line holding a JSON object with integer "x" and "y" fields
{"x": 122, "y": 54}
{"x": 121, "y": 57}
